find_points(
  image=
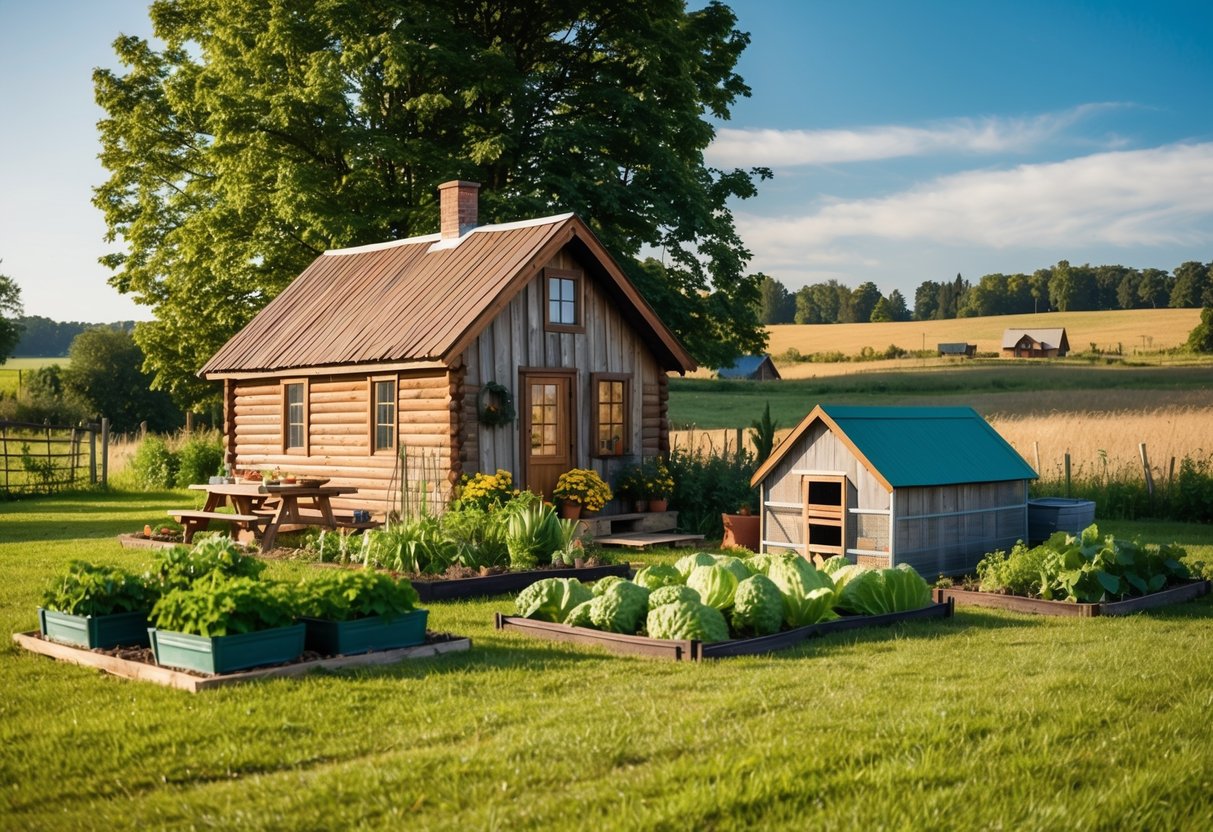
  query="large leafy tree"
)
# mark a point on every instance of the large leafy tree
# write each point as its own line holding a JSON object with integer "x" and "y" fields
{"x": 10, "y": 311}
{"x": 106, "y": 378}
{"x": 266, "y": 132}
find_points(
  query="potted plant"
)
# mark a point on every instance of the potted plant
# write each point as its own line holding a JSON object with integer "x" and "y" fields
{"x": 742, "y": 530}
{"x": 632, "y": 487}
{"x": 660, "y": 485}
{"x": 351, "y": 612}
{"x": 220, "y": 624}
{"x": 96, "y": 607}
{"x": 581, "y": 488}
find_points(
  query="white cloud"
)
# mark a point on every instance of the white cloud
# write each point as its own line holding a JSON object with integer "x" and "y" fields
{"x": 1159, "y": 196}
{"x": 746, "y": 147}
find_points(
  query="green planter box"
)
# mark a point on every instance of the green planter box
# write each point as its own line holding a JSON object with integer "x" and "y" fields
{"x": 223, "y": 654}
{"x": 119, "y": 629}
{"x": 363, "y": 635}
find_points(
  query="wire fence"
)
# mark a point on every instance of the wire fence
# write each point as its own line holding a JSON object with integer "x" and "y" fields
{"x": 41, "y": 459}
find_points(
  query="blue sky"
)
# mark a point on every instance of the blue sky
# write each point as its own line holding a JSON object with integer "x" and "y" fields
{"x": 909, "y": 141}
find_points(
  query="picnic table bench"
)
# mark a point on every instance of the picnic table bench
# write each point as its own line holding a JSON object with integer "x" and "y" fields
{"x": 261, "y": 511}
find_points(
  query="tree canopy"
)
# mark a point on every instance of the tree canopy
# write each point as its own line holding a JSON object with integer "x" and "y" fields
{"x": 265, "y": 133}
{"x": 105, "y": 378}
{"x": 10, "y": 312}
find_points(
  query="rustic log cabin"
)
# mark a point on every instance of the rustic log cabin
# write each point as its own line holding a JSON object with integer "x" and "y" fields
{"x": 518, "y": 346}
{"x": 933, "y": 487}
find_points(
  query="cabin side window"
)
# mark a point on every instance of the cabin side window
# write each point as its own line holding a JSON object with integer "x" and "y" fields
{"x": 611, "y": 410}
{"x": 563, "y": 301}
{"x": 294, "y": 416}
{"x": 383, "y": 414}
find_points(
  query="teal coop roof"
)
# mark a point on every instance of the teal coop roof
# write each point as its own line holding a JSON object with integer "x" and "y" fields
{"x": 916, "y": 446}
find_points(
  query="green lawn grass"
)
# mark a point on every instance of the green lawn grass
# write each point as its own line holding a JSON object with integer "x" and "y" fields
{"x": 988, "y": 720}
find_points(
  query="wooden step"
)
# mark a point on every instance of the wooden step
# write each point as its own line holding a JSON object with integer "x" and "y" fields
{"x": 642, "y": 540}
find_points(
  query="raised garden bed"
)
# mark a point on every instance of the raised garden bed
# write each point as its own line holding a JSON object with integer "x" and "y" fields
{"x": 137, "y": 664}
{"x": 362, "y": 635}
{"x": 139, "y": 541}
{"x": 226, "y": 654}
{"x": 89, "y": 631}
{"x": 1017, "y": 603}
{"x": 694, "y": 650}
{"x": 447, "y": 589}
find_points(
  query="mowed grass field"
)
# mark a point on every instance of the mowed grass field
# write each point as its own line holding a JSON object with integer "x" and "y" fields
{"x": 987, "y": 720}
{"x": 12, "y": 369}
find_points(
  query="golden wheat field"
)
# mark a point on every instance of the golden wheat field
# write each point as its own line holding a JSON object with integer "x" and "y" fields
{"x": 1098, "y": 441}
{"x": 1134, "y": 331}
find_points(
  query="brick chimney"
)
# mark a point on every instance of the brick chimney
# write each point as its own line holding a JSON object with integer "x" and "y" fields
{"x": 459, "y": 202}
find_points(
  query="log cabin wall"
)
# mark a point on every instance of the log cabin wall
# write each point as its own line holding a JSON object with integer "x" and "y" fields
{"x": 339, "y": 430}
{"x": 516, "y": 339}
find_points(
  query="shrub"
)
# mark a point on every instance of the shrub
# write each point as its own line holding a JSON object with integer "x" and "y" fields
{"x": 1017, "y": 574}
{"x": 199, "y": 458}
{"x": 154, "y": 464}
{"x": 708, "y": 484}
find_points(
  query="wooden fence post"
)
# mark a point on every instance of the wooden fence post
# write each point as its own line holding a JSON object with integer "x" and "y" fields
{"x": 1145, "y": 465}
{"x": 1067, "y": 473}
{"x": 75, "y": 452}
{"x": 4, "y": 445}
{"x": 105, "y": 450}
{"x": 92, "y": 453}
{"x": 1171, "y": 473}
{"x": 1036, "y": 449}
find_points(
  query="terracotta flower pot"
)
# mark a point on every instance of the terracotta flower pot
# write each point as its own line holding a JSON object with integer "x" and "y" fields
{"x": 570, "y": 510}
{"x": 741, "y": 530}
{"x": 641, "y": 506}
{"x": 659, "y": 504}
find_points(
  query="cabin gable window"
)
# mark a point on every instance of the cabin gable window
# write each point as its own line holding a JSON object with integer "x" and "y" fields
{"x": 295, "y": 417}
{"x": 383, "y": 414}
{"x": 610, "y": 413}
{"x": 563, "y": 301}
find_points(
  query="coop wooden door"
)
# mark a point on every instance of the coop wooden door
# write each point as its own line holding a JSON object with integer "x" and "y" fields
{"x": 547, "y": 434}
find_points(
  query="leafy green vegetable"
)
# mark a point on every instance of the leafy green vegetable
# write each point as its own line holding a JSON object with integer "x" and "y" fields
{"x": 880, "y": 591}
{"x": 603, "y": 584}
{"x": 579, "y": 616}
{"x": 808, "y": 595}
{"x": 179, "y": 567}
{"x": 761, "y": 564}
{"x": 689, "y": 620}
{"x": 715, "y": 585}
{"x": 345, "y": 595}
{"x": 841, "y": 577}
{"x": 85, "y": 589}
{"x": 621, "y": 609}
{"x": 832, "y": 565}
{"x": 757, "y": 607}
{"x": 735, "y": 565}
{"x": 687, "y": 563}
{"x": 552, "y": 599}
{"x": 219, "y": 606}
{"x": 1084, "y": 569}
{"x": 532, "y": 535}
{"x": 671, "y": 595}
{"x": 658, "y": 575}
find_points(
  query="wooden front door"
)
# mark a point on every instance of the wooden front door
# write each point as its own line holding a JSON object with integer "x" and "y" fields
{"x": 547, "y": 430}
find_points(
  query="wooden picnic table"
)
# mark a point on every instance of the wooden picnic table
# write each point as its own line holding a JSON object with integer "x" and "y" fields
{"x": 264, "y": 510}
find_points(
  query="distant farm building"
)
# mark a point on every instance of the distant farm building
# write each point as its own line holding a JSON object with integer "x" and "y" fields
{"x": 752, "y": 367}
{"x": 959, "y": 348}
{"x": 934, "y": 487}
{"x": 520, "y": 346}
{"x": 1035, "y": 343}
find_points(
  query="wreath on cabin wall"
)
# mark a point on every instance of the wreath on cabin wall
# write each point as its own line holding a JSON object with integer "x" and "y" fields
{"x": 495, "y": 407}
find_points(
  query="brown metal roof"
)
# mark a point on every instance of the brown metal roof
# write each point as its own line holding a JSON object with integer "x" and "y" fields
{"x": 420, "y": 300}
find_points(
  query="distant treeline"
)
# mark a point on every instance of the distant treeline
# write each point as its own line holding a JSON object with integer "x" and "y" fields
{"x": 43, "y": 338}
{"x": 1061, "y": 288}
